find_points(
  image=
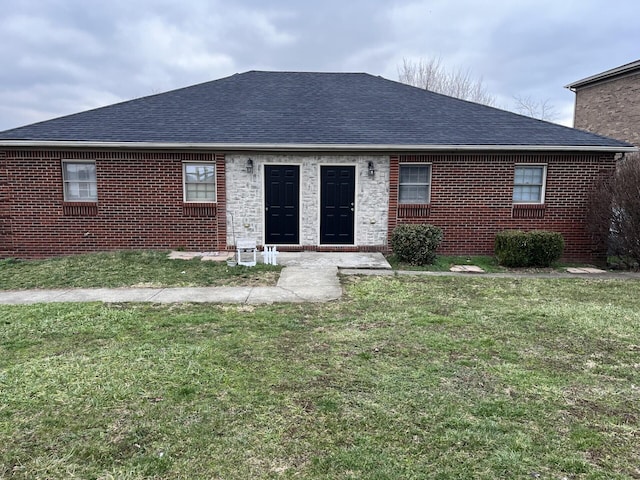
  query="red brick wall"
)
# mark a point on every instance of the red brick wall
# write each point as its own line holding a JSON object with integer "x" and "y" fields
{"x": 6, "y": 239}
{"x": 140, "y": 202}
{"x": 471, "y": 199}
{"x": 140, "y": 205}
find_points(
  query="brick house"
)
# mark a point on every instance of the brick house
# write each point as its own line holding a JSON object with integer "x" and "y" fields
{"x": 609, "y": 103}
{"x": 307, "y": 161}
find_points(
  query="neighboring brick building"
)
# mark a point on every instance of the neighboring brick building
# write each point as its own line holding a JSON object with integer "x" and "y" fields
{"x": 307, "y": 161}
{"x": 609, "y": 103}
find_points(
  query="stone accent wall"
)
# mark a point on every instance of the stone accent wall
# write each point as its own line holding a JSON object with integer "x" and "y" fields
{"x": 611, "y": 108}
{"x": 245, "y": 196}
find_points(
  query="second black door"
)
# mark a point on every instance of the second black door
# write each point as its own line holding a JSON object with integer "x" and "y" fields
{"x": 337, "y": 205}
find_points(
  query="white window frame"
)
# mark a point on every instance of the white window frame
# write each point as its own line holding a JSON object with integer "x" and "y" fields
{"x": 428, "y": 184}
{"x": 66, "y": 182}
{"x": 184, "y": 182}
{"x": 543, "y": 186}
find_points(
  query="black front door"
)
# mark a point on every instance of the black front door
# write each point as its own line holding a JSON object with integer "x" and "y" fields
{"x": 282, "y": 204}
{"x": 337, "y": 204}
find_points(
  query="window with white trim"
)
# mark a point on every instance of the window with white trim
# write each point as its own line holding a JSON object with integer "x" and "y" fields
{"x": 199, "y": 182}
{"x": 415, "y": 183}
{"x": 529, "y": 183}
{"x": 79, "y": 179}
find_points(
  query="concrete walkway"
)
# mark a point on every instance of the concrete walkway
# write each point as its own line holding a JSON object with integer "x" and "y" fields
{"x": 307, "y": 277}
{"x": 296, "y": 284}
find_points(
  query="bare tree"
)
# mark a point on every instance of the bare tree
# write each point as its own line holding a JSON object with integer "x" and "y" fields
{"x": 432, "y": 75}
{"x": 614, "y": 211}
{"x": 540, "y": 109}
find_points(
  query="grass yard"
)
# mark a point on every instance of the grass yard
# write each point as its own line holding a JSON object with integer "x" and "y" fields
{"x": 405, "y": 378}
{"x": 443, "y": 263}
{"x": 488, "y": 263}
{"x": 129, "y": 269}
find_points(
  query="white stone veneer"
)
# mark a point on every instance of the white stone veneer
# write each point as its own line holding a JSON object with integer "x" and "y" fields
{"x": 245, "y": 196}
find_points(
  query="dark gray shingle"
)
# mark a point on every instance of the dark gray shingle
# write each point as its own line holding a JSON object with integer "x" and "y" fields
{"x": 305, "y": 108}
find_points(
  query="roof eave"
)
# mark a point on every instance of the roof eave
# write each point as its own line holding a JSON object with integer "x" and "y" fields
{"x": 600, "y": 77}
{"x": 309, "y": 147}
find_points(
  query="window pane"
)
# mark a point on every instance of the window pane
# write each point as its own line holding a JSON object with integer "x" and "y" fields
{"x": 80, "y": 171}
{"x": 528, "y": 184}
{"x": 531, "y": 194}
{"x": 414, "y": 183}
{"x": 528, "y": 175}
{"x": 79, "y": 181}
{"x": 414, "y": 194}
{"x": 414, "y": 174}
{"x": 199, "y": 182}
{"x": 200, "y": 173}
{"x": 200, "y": 192}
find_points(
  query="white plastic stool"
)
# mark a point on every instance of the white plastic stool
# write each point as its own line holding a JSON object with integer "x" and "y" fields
{"x": 246, "y": 252}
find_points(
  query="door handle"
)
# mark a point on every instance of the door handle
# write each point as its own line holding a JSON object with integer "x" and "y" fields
{"x": 266, "y": 209}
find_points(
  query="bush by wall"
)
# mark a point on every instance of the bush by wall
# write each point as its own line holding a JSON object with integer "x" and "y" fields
{"x": 614, "y": 211}
{"x": 537, "y": 248}
{"x": 416, "y": 244}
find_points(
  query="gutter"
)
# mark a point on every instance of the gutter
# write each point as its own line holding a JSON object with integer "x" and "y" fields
{"x": 310, "y": 147}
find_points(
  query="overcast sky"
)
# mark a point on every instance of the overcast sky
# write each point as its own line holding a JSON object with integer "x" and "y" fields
{"x": 64, "y": 56}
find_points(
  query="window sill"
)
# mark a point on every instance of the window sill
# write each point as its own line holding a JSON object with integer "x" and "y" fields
{"x": 194, "y": 209}
{"x": 80, "y": 209}
{"x": 528, "y": 210}
{"x": 414, "y": 210}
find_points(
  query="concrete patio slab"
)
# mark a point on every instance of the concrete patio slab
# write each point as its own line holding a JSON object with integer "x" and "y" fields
{"x": 204, "y": 256}
{"x": 583, "y": 270}
{"x": 371, "y": 260}
{"x": 466, "y": 269}
{"x": 217, "y": 256}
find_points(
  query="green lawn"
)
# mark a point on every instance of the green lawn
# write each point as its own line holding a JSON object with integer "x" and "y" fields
{"x": 443, "y": 263}
{"x": 130, "y": 268}
{"x": 404, "y": 378}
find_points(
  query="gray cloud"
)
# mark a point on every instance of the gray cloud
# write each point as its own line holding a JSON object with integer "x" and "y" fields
{"x": 64, "y": 56}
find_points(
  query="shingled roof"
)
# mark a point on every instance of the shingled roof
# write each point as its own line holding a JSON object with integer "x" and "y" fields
{"x": 297, "y": 110}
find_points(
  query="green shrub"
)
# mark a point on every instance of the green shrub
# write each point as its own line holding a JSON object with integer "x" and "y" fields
{"x": 537, "y": 248}
{"x": 416, "y": 244}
